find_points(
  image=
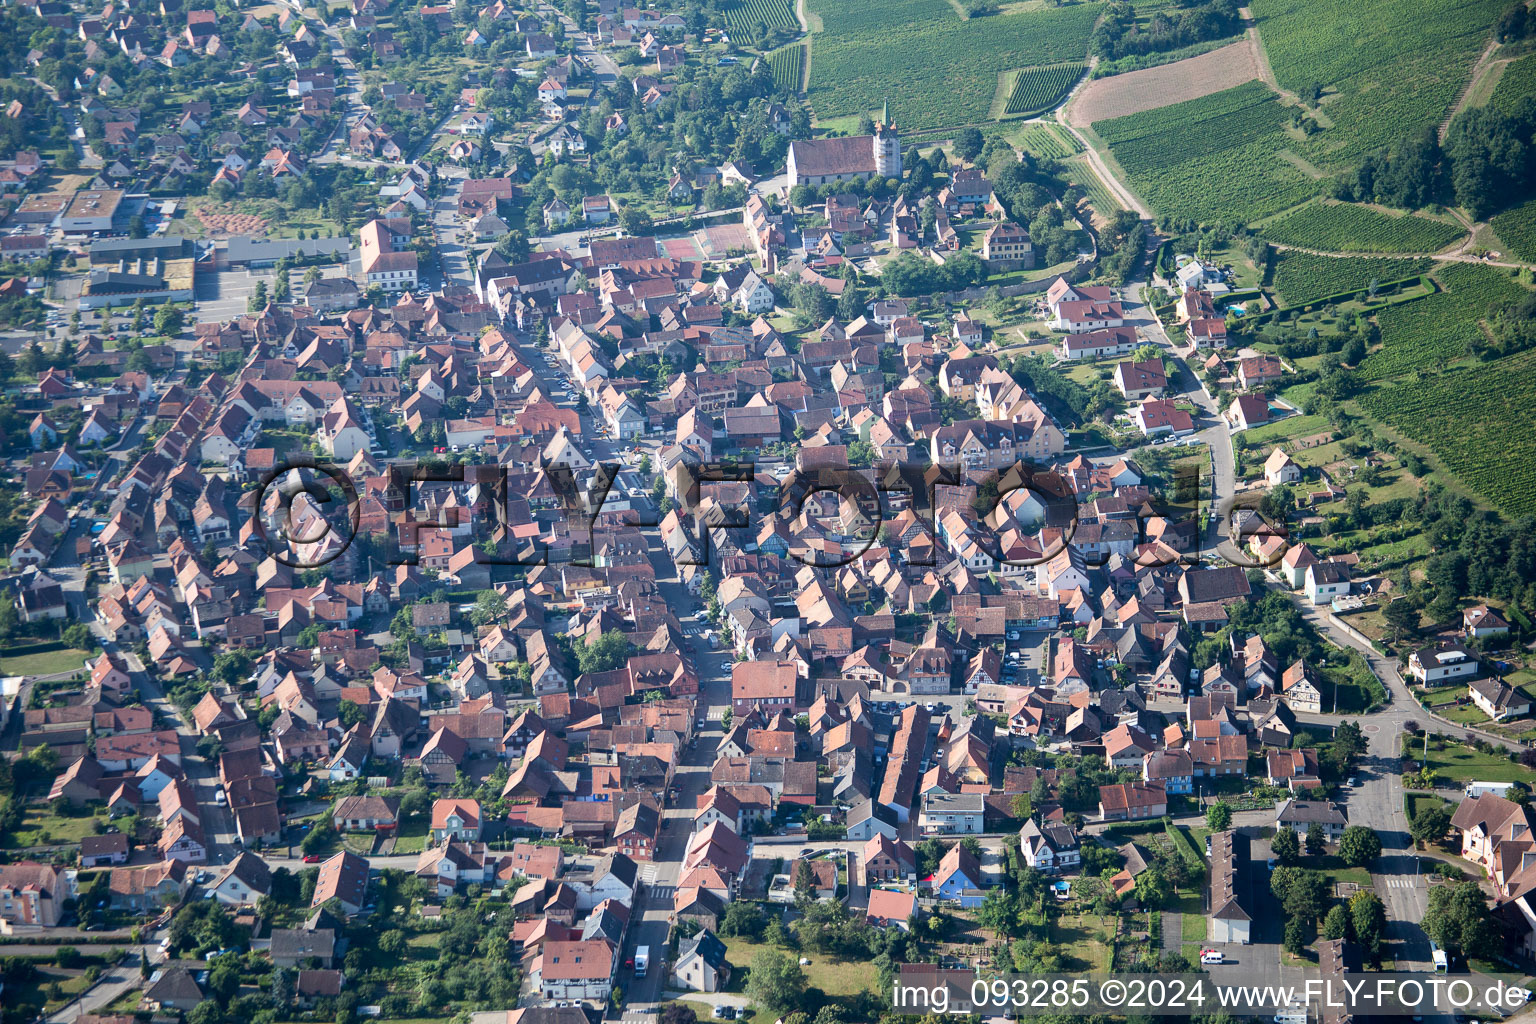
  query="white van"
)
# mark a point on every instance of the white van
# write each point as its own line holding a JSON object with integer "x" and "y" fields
{"x": 1441, "y": 964}
{"x": 1212, "y": 956}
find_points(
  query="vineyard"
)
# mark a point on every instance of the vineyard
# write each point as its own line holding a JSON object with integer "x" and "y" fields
{"x": 1100, "y": 198}
{"x": 1156, "y": 139}
{"x": 1437, "y": 329}
{"x": 1038, "y": 89}
{"x": 1342, "y": 227}
{"x": 1048, "y": 141}
{"x": 1479, "y": 419}
{"x": 1301, "y": 277}
{"x": 1398, "y": 73}
{"x": 1517, "y": 230}
{"x": 1212, "y": 158}
{"x": 788, "y": 65}
{"x": 770, "y": 13}
{"x": 935, "y": 69}
{"x": 1517, "y": 82}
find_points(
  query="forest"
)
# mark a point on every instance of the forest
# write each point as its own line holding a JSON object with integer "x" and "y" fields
{"x": 1122, "y": 33}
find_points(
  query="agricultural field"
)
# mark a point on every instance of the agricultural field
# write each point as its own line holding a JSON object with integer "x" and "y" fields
{"x": 788, "y": 65}
{"x": 947, "y": 69}
{"x": 1387, "y": 69}
{"x": 1516, "y": 228}
{"x": 1150, "y": 88}
{"x": 769, "y": 13}
{"x": 1213, "y": 158}
{"x": 1479, "y": 419}
{"x": 1037, "y": 89}
{"x": 1047, "y": 141}
{"x": 1517, "y": 82}
{"x": 1436, "y": 329}
{"x": 1346, "y": 227}
{"x": 1301, "y": 277}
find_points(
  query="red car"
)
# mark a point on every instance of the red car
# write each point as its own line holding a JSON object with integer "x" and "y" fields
{"x": 312, "y": 858}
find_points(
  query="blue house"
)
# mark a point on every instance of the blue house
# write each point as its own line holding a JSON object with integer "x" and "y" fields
{"x": 1175, "y": 769}
{"x": 958, "y": 878}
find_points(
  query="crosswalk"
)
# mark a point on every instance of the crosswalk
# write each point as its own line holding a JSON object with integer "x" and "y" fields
{"x": 1402, "y": 882}
{"x": 694, "y": 630}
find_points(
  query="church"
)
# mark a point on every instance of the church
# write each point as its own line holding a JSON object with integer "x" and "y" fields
{"x": 855, "y": 158}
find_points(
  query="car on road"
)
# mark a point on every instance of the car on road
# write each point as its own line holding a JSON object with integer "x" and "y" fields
{"x": 312, "y": 858}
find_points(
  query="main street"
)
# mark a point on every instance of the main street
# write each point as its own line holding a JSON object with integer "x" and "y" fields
{"x": 1377, "y": 798}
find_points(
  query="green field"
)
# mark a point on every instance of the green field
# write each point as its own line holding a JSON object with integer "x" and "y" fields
{"x": 1048, "y": 141}
{"x": 1480, "y": 420}
{"x": 1438, "y": 328}
{"x": 1301, "y": 277}
{"x": 788, "y": 65}
{"x": 768, "y": 13}
{"x": 1463, "y": 764}
{"x": 1388, "y": 69}
{"x": 1516, "y": 228}
{"x": 935, "y": 69}
{"x": 1037, "y": 89}
{"x": 1174, "y": 154}
{"x": 1344, "y": 227}
{"x": 46, "y": 663}
{"x": 1517, "y": 82}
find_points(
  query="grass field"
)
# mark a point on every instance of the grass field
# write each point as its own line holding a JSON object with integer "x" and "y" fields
{"x": 40, "y": 826}
{"x": 1459, "y": 763}
{"x": 1479, "y": 420}
{"x": 1436, "y": 329}
{"x": 934, "y": 68}
{"x": 1301, "y": 277}
{"x": 1234, "y": 137}
{"x": 1344, "y": 227}
{"x": 1399, "y": 72}
{"x": 1516, "y": 228}
{"x": 832, "y": 976}
{"x": 45, "y": 664}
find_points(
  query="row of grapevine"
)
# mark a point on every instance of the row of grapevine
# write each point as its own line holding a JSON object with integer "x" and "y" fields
{"x": 1345, "y": 227}
{"x": 1048, "y": 141}
{"x": 772, "y": 13}
{"x": 788, "y": 65}
{"x": 1479, "y": 419}
{"x": 1517, "y": 230}
{"x": 934, "y": 68}
{"x": 1437, "y": 329}
{"x": 1236, "y": 137}
{"x": 1038, "y": 89}
{"x": 1302, "y": 277}
{"x": 1194, "y": 129}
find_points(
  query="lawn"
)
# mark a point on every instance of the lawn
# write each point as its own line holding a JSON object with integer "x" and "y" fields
{"x": 1081, "y": 941}
{"x": 1460, "y": 763}
{"x": 1417, "y": 802}
{"x": 45, "y": 663}
{"x": 1194, "y": 928}
{"x": 832, "y": 976}
{"x": 37, "y": 820}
